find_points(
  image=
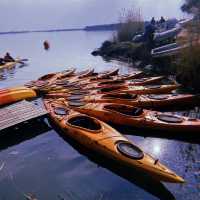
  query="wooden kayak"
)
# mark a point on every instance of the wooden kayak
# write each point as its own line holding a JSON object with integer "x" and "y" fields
{"x": 98, "y": 78}
{"x": 144, "y": 101}
{"x": 134, "y": 82}
{"x": 49, "y": 79}
{"x": 148, "y": 89}
{"x": 137, "y": 117}
{"x": 115, "y": 89}
{"x": 76, "y": 77}
{"x": 16, "y": 95}
{"x": 103, "y": 139}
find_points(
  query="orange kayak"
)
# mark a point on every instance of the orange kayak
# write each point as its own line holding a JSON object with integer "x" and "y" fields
{"x": 144, "y": 101}
{"x": 148, "y": 89}
{"x": 49, "y": 79}
{"x": 12, "y": 96}
{"x": 137, "y": 117}
{"x": 103, "y": 139}
{"x": 115, "y": 89}
{"x": 134, "y": 82}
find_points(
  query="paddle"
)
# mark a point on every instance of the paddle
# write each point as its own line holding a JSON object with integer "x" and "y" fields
{"x": 21, "y": 61}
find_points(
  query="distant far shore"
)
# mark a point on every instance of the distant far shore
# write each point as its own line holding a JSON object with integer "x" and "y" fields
{"x": 104, "y": 27}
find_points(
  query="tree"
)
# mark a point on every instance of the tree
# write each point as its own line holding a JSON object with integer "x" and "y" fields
{"x": 192, "y": 7}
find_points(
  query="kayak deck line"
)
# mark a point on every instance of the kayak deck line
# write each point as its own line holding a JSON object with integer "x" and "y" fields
{"x": 18, "y": 113}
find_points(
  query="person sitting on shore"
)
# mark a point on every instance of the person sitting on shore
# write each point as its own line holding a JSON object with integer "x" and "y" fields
{"x": 2, "y": 61}
{"x": 8, "y": 58}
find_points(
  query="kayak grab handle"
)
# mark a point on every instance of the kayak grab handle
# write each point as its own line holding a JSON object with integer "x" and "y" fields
{"x": 156, "y": 161}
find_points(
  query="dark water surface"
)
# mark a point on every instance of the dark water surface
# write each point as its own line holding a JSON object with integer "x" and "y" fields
{"x": 40, "y": 161}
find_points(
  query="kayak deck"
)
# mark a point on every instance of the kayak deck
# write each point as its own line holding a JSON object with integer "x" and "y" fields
{"x": 20, "y": 112}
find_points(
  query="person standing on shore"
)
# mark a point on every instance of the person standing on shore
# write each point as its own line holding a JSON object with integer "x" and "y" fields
{"x": 153, "y": 21}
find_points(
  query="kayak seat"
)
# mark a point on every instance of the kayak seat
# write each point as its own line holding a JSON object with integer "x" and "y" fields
{"x": 110, "y": 89}
{"x": 139, "y": 80}
{"x": 85, "y": 122}
{"x": 75, "y": 97}
{"x": 76, "y": 103}
{"x": 130, "y": 150}
{"x": 120, "y": 96}
{"x": 158, "y": 97}
{"x": 153, "y": 86}
{"x": 169, "y": 118}
{"x": 111, "y": 82}
{"x": 60, "y": 111}
{"x": 100, "y": 77}
{"x": 123, "y": 109}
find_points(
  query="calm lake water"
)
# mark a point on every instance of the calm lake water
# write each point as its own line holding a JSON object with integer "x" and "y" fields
{"x": 40, "y": 161}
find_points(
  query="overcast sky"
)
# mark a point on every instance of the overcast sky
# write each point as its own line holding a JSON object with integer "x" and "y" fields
{"x": 47, "y": 14}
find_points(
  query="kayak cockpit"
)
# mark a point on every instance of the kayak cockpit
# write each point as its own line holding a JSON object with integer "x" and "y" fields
{"x": 61, "y": 111}
{"x": 124, "y": 96}
{"x": 110, "y": 89}
{"x": 169, "y": 118}
{"x": 158, "y": 97}
{"x": 125, "y": 110}
{"x": 111, "y": 82}
{"x": 85, "y": 122}
{"x": 130, "y": 150}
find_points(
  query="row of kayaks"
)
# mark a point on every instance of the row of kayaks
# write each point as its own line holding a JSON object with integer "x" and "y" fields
{"x": 83, "y": 103}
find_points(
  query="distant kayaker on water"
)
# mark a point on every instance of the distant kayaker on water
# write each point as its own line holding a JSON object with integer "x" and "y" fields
{"x": 46, "y": 45}
{"x": 8, "y": 58}
{"x": 2, "y": 61}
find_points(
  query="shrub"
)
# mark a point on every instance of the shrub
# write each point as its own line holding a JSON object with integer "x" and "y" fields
{"x": 131, "y": 23}
{"x": 188, "y": 61}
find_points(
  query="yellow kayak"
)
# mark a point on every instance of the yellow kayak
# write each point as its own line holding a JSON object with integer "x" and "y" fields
{"x": 100, "y": 137}
{"x": 12, "y": 95}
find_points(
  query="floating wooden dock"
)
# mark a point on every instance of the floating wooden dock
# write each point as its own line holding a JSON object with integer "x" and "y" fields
{"x": 18, "y": 113}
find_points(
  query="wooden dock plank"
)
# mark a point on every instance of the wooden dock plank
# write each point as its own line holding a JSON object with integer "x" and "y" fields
{"x": 19, "y": 112}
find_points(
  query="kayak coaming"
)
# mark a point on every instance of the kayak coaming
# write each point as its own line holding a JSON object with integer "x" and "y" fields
{"x": 104, "y": 141}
